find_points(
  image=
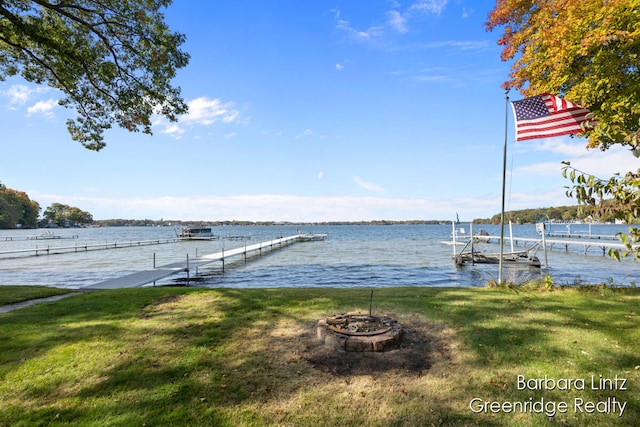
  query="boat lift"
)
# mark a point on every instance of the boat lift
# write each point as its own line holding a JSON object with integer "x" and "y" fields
{"x": 469, "y": 254}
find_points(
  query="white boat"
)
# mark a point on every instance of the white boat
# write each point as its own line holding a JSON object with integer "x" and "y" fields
{"x": 524, "y": 258}
{"x": 45, "y": 235}
{"x": 48, "y": 235}
{"x": 310, "y": 237}
{"x": 481, "y": 236}
{"x": 197, "y": 233}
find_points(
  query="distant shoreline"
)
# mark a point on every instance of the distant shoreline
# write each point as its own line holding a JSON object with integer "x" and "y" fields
{"x": 170, "y": 223}
{"x": 179, "y": 223}
{"x": 229, "y": 223}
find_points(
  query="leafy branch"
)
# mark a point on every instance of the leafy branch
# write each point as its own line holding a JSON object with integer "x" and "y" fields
{"x": 113, "y": 61}
{"x": 619, "y": 197}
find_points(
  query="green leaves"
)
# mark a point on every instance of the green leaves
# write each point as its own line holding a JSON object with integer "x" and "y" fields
{"x": 618, "y": 197}
{"x": 16, "y": 209}
{"x": 113, "y": 61}
{"x": 60, "y": 213}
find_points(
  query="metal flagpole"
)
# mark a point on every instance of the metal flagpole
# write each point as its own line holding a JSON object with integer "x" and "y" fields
{"x": 504, "y": 179}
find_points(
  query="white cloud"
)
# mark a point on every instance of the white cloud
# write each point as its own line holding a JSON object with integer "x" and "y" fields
{"x": 539, "y": 169}
{"x": 269, "y": 207}
{"x": 18, "y": 94}
{"x": 43, "y": 107}
{"x": 203, "y": 111}
{"x": 369, "y": 33}
{"x": 590, "y": 161}
{"x": 429, "y": 6}
{"x": 367, "y": 185}
{"x": 306, "y": 133}
{"x": 320, "y": 175}
{"x": 460, "y": 44}
{"x": 557, "y": 145}
{"x": 397, "y": 21}
{"x": 339, "y": 66}
{"x": 431, "y": 78}
{"x": 174, "y": 130}
{"x": 206, "y": 111}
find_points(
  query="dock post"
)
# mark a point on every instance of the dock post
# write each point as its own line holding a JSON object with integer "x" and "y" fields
{"x": 154, "y": 260}
{"x": 245, "y": 252}
{"x": 187, "y": 268}
{"x": 544, "y": 246}
{"x": 473, "y": 254}
{"x": 222, "y": 257}
{"x": 453, "y": 237}
{"x": 511, "y": 235}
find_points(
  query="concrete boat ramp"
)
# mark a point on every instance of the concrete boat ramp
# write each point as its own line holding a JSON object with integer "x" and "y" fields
{"x": 142, "y": 278}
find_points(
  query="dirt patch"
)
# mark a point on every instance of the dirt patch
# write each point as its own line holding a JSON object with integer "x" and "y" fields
{"x": 159, "y": 305}
{"x": 420, "y": 347}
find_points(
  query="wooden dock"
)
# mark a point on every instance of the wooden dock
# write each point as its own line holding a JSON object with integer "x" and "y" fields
{"x": 142, "y": 278}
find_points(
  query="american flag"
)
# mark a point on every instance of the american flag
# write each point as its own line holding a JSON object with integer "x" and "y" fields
{"x": 546, "y": 115}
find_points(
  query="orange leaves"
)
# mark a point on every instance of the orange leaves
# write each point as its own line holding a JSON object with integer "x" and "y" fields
{"x": 501, "y": 383}
{"x": 583, "y": 50}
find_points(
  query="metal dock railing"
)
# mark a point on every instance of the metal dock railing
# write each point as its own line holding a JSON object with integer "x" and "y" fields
{"x": 149, "y": 276}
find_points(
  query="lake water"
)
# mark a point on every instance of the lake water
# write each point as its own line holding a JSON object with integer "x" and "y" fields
{"x": 351, "y": 256}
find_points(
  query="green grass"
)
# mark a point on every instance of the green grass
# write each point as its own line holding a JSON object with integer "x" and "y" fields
{"x": 14, "y": 294}
{"x": 184, "y": 356}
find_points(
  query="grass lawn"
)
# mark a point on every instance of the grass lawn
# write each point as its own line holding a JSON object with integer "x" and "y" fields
{"x": 216, "y": 357}
{"x": 14, "y": 294}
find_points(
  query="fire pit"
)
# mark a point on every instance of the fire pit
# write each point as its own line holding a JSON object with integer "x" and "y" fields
{"x": 359, "y": 332}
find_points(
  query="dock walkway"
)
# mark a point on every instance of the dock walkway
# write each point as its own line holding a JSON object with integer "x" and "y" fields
{"x": 142, "y": 278}
{"x": 585, "y": 244}
{"x": 531, "y": 246}
{"x": 86, "y": 247}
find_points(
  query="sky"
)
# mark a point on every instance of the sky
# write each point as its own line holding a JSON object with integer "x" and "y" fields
{"x": 315, "y": 110}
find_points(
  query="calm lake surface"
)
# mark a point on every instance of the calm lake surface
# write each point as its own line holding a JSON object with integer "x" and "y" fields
{"x": 351, "y": 256}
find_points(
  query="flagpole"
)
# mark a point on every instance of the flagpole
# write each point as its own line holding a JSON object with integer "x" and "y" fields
{"x": 504, "y": 179}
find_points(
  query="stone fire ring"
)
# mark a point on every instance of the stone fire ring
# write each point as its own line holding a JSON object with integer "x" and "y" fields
{"x": 331, "y": 331}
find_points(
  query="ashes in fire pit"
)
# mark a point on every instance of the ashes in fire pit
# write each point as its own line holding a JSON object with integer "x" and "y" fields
{"x": 359, "y": 332}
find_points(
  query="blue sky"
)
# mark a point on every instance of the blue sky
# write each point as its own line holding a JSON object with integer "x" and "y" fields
{"x": 307, "y": 111}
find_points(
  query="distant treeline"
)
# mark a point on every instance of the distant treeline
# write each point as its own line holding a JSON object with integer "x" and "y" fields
{"x": 557, "y": 214}
{"x": 562, "y": 213}
{"x": 179, "y": 223}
